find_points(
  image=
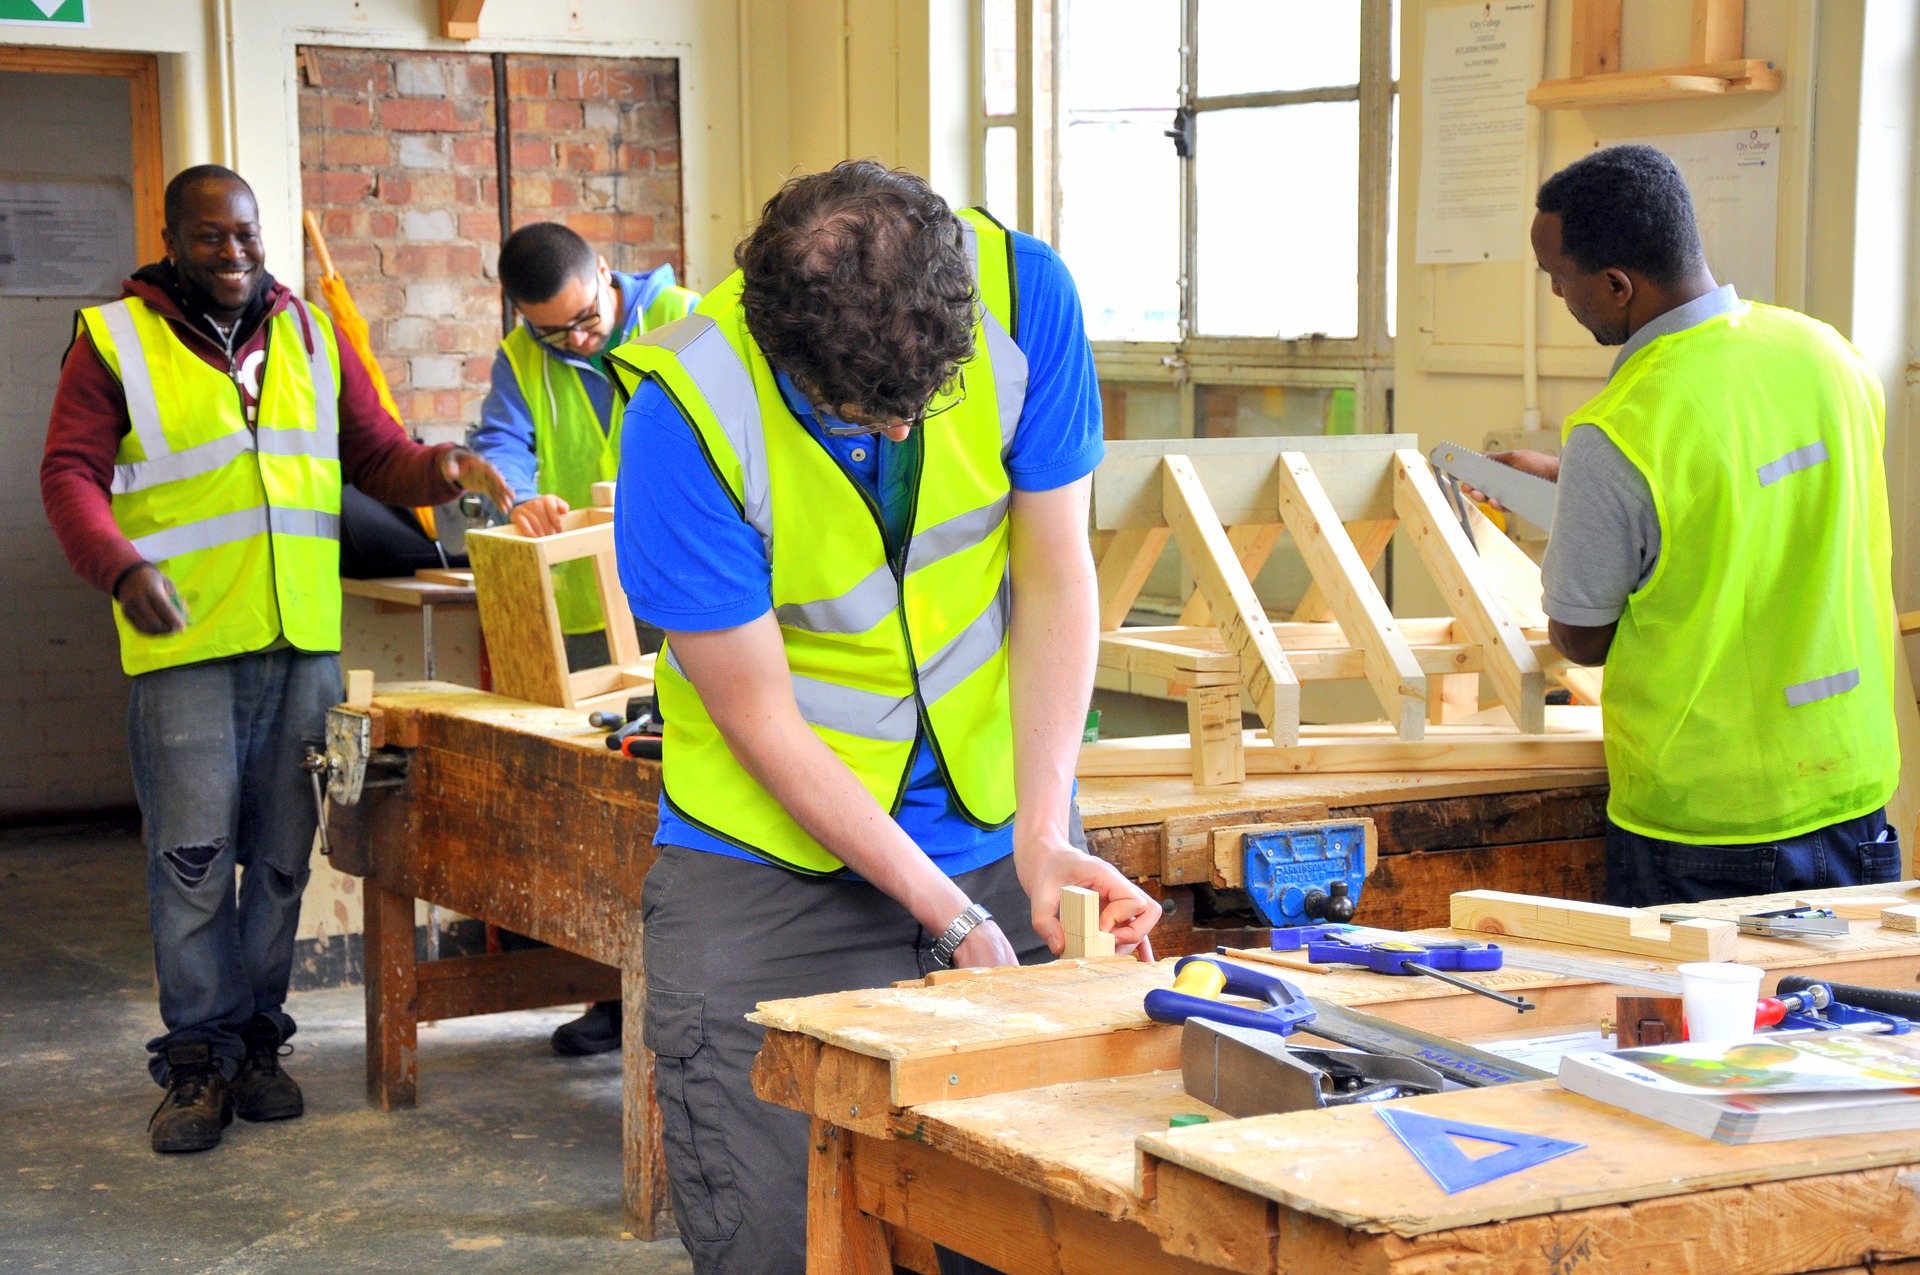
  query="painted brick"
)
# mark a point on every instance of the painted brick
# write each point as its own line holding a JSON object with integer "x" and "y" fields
{"x": 437, "y": 224}
{"x": 423, "y": 77}
{"x": 433, "y": 298}
{"x": 408, "y": 335}
{"x": 603, "y": 118}
{"x": 424, "y": 150}
{"x": 436, "y": 372}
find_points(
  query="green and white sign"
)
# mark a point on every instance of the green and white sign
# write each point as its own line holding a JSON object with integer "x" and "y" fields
{"x": 44, "y": 13}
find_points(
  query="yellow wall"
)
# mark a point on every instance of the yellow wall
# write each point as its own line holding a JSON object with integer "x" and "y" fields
{"x": 1842, "y": 249}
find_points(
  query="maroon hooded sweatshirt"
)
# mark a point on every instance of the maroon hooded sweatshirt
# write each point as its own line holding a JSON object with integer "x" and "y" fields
{"x": 90, "y": 417}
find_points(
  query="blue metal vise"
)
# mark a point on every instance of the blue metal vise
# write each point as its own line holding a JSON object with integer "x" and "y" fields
{"x": 1301, "y": 875}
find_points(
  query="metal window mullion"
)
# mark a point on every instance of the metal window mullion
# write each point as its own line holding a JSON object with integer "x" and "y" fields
{"x": 977, "y": 96}
{"x": 1376, "y": 124}
{"x": 1189, "y": 192}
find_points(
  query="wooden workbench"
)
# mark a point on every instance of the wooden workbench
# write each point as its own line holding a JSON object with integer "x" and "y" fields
{"x": 518, "y": 815}
{"x": 1021, "y": 1117}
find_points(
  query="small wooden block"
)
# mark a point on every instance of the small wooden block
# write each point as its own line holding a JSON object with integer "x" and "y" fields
{"x": 602, "y": 495}
{"x": 1098, "y": 943}
{"x": 1905, "y": 917}
{"x": 1863, "y": 907}
{"x": 360, "y": 688}
{"x": 1079, "y": 910}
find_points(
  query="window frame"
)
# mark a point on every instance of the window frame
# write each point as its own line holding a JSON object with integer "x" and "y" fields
{"x": 1363, "y": 362}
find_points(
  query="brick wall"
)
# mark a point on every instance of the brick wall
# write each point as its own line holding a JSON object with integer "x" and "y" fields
{"x": 398, "y": 162}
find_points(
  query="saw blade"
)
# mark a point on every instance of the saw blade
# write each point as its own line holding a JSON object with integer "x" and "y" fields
{"x": 1599, "y": 971}
{"x": 1532, "y": 497}
{"x": 1375, "y": 1035}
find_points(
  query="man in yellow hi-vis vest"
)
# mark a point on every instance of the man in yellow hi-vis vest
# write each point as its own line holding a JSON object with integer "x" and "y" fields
{"x": 202, "y": 429}
{"x": 869, "y": 457}
{"x": 1722, "y": 544}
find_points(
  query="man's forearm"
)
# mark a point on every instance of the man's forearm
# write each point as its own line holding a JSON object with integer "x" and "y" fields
{"x": 1052, "y": 648}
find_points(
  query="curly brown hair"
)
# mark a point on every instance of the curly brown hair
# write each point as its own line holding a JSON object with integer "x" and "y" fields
{"x": 858, "y": 287}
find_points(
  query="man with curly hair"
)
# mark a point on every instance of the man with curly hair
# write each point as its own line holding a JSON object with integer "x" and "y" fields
{"x": 863, "y": 528}
{"x": 1722, "y": 545}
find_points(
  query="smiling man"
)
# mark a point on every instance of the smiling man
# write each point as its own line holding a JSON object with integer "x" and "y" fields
{"x": 1722, "y": 545}
{"x": 200, "y": 434}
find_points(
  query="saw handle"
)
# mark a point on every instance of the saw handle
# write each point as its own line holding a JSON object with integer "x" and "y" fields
{"x": 1200, "y": 981}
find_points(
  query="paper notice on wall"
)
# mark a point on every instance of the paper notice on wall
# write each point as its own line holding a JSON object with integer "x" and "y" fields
{"x": 1480, "y": 61}
{"x": 1734, "y": 178}
{"x": 64, "y": 236}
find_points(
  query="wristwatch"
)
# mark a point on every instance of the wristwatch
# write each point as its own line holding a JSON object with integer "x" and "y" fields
{"x": 956, "y": 933}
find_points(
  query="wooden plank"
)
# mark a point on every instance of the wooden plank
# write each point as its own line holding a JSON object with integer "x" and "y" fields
{"x": 1719, "y": 30}
{"x": 1243, "y": 622}
{"x": 1596, "y": 38}
{"x": 805, "y": 1074}
{"x": 1858, "y": 907}
{"x": 393, "y": 1028}
{"x": 1903, "y": 811}
{"x": 1348, "y": 1167}
{"x": 460, "y": 19}
{"x": 359, "y": 688}
{"x": 644, "y": 1162}
{"x": 1215, "y": 728}
{"x": 1478, "y": 609}
{"x": 1237, "y": 474}
{"x": 1392, "y": 671}
{"x": 1120, "y": 650}
{"x": 1594, "y": 925}
{"x": 519, "y": 617}
{"x": 1032, "y": 1063}
{"x": 1450, "y": 748}
{"x": 1123, "y": 571}
{"x": 1450, "y": 696}
{"x": 983, "y": 1215}
{"x": 623, "y": 636}
{"x": 1213, "y": 1222}
{"x": 1229, "y": 846}
{"x": 1186, "y": 850}
{"x": 1370, "y": 540}
{"x": 1634, "y": 88}
{"x": 1252, "y": 545}
{"x": 1413, "y": 891}
{"x": 1904, "y": 917}
{"x": 841, "y": 1240}
{"x": 462, "y": 986}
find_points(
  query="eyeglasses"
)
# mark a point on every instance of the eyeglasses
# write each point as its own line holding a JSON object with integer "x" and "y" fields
{"x": 556, "y": 338}
{"x": 944, "y": 399}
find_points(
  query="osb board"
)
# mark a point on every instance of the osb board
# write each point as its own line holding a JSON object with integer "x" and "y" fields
{"x": 1074, "y": 1142}
{"x": 1117, "y": 802}
{"x": 1345, "y": 1165}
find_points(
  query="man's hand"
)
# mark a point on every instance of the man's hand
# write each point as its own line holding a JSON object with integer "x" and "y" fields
{"x": 985, "y": 947}
{"x": 1539, "y": 464}
{"x": 149, "y": 602}
{"x": 539, "y": 516}
{"x": 1045, "y": 865}
{"x": 466, "y": 470}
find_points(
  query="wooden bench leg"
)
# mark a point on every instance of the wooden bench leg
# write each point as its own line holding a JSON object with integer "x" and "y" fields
{"x": 648, "y": 1214}
{"x": 841, "y": 1240}
{"x": 393, "y": 1030}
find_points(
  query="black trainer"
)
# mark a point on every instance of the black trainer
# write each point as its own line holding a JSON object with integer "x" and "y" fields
{"x": 595, "y": 1032}
{"x": 261, "y": 1091}
{"x": 198, "y": 1104}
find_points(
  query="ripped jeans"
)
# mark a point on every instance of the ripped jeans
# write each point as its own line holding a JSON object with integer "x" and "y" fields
{"x": 216, "y": 751}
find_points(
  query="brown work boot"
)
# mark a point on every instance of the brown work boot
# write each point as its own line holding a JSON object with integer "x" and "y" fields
{"x": 198, "y": 1104}
{"x": 261, "y": 1091}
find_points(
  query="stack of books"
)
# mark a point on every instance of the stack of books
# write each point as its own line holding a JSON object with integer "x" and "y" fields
{"x": 1763, "y": 1089}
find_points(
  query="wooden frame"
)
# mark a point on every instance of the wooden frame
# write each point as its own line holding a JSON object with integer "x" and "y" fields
{"x": 1226, "y": 503}
{"x": 520, "y": 619}
{"x": 141, "y": 71}
{"x": 1719, "y": 65}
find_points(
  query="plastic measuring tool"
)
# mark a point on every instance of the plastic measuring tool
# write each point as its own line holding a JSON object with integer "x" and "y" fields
{"x": 1431, "y": 1139}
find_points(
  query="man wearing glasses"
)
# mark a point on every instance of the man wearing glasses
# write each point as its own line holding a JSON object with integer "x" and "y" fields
{"x": 551, "y": 423}
{"x": 864, "y": 530}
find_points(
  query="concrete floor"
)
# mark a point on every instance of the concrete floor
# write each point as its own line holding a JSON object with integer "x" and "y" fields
{"x": 511, "y": 1162}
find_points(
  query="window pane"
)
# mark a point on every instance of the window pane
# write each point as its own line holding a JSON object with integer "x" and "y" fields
{"x": 1278, "y": 221}
{"x": 1267, "y": 411}
{"x": 1003, "y": 174}
{"x": 1122, "y": 55}
{"x": 1001, "y": 57}
{"x": 1119, "y": 226}
{"x": 1250, "y": 45}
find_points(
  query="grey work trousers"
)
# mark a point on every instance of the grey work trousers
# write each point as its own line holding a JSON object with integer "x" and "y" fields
{"x": 722, "y": 935}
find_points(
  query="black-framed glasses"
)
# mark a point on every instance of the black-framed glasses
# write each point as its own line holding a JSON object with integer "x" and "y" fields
{"x": 944, "y": 399}
{"x": 556, "y": 338}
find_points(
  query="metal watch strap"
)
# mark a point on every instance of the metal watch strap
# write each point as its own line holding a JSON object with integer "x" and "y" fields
{"x": 956, "y": 932}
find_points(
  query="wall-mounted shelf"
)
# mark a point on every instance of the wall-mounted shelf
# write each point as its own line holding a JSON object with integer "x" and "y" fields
{"x": 1719, "y": 66}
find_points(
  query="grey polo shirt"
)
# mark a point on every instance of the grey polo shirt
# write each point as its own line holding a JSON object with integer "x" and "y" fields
{"x": 1606, "y": 534}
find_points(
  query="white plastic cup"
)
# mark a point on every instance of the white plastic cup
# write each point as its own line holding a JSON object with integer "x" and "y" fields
{"x": 1720, "y": 999}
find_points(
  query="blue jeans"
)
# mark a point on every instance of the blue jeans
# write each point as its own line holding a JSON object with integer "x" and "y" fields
{"x": 1645, "y": 871}
{"x": 216, "y": 765}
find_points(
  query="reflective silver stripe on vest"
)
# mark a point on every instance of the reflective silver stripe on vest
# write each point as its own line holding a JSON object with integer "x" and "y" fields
{"x": 1822, "y": 688}
{"x": 724, "y": 381}
{"x": 962, "y": 531}
{"x": 1792, "y": 463}
{"x": 322, "y": 444}
{"x": 143, "y": 410}
{"x": 171, "y": 467}
{"x": 855, "y": 611}
{"x": 1009, "y": 362}
{"x": 242, "y": 524}
{"x": 326, "y": 393}
{"x": 862, "y": 714}
{"x": 975, "y": 645}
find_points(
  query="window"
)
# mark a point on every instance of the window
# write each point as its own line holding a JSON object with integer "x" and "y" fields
{"x": 1218, "y": 174}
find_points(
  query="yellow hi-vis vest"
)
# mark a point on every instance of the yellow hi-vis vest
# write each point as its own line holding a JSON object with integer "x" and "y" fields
{"x": 1749, "y": 691}
{"x": 571, "y": 449}
{"x": 245, "y": 522}
{"x": 878, "y": 650}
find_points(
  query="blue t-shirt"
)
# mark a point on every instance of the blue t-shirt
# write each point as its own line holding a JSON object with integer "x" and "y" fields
{"x": 690, "y": 563}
